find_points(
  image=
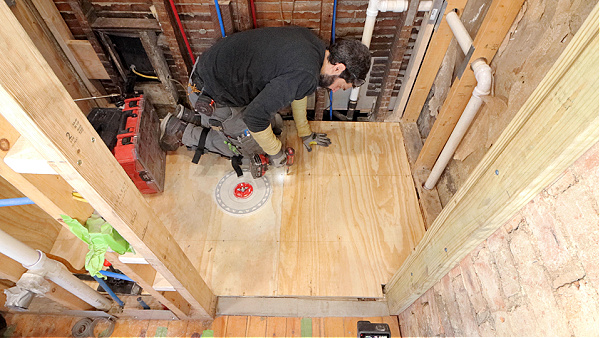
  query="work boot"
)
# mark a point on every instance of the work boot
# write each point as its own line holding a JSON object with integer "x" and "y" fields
{"x": 277, "y": 124}
{"x": 187, "y": 115}
{"x": 171, "y": 132}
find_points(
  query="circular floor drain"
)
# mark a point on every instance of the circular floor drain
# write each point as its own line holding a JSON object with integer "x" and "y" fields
{"x": 242, "y": 195}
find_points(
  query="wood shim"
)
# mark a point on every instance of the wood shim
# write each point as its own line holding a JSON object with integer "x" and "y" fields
{"x": 555, "y": 126}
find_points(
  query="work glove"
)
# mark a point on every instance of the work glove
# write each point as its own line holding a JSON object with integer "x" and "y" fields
{"x": 319, "y": 139}
{"x": 278, "y": 160}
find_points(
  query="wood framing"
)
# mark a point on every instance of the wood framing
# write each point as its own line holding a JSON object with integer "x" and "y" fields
{"x": 159, "y": 63}
{"x": 32, "y": 22}
{"x": 394, "y": 62}
{"x": 78, "y": 155}
{"x": 494, "y": 28}
{"x": 431, "y": 64}
{"x": 143, "y": 275}
{"x": 85, "y": 14}
{"x": 12, "y": 270}
{"x": 183, "y": 60}
{"x": 429, "y": 200}
{"x": 555, "y": 126}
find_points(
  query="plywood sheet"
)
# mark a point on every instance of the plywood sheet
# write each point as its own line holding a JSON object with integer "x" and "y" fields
{"x": 339, "y": 224}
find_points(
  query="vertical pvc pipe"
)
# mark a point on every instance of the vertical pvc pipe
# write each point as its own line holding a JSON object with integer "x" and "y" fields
{"x": 332, "y": 41}
{"x": 460, "y": 32}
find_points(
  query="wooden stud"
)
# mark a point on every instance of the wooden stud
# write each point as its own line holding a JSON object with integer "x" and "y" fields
{"x": 431, "y": 64}
{"x": 85, "y": 14}
{"x": 130, "y": 24}
{"x": 555, "y": 126}
{"x": 159, "y": 63}
{"x": 77, "y": 154}
{"x": 143, "y": 275}
{"x": 494, "y": 28}
{"x": 44, "y": 40}
{"x": 429, "y": 200}
{"x": 394, "y": 62}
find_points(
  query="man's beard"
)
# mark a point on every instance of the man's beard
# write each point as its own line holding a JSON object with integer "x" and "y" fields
{"x": 326, "y": 80}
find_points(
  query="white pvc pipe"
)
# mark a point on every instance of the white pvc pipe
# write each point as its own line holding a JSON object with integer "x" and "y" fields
{"x": 483, "y": 74}
{"x": 17, "y": 250}
{"x": 372, "y": 10}
{"x": 38, "y": 263}
{"x": 460, "y": 32}
{"x": 59, "y": 274}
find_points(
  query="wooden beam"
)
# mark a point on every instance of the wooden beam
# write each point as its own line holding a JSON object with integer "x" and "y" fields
{"x": 394, "y": 62}
{"x": 68, "y": 140}
{"x": 85, "y": 14}
{"x": 431, "y": 64}
{"x": 59, "y": 29}
{"x": 494, "y": 28}
{"x": 129, "y": 24}
{"x": 36, "y": 28}
{"x": 429, "y": 200}
{"x": 12, "y": 270}
{"x": 159, "y": 63}
{"x": 555, "y": 126}
{"x": 143, "y": 275}
{"x": 183, "y": 60}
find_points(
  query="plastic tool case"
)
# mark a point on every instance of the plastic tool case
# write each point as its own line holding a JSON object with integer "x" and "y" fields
{"x": 137, "y": 148}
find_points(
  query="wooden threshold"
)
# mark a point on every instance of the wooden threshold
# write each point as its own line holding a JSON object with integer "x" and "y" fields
{"x": 301, "y": 307}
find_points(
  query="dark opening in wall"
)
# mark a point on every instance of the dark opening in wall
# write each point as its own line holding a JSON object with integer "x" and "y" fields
{"x": 126, "y": 51}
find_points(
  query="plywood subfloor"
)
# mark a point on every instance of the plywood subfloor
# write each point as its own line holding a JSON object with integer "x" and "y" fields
{"x": 339, "y": 224}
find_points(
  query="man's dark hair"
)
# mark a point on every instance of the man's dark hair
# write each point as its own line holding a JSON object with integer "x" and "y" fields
{"x": 354, "y": 55}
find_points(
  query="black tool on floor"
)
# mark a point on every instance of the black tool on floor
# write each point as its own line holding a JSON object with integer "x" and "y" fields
{"x": 366, "y": 329}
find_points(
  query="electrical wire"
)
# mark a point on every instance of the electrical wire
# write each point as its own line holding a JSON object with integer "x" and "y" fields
{"x": 142, "y": 75}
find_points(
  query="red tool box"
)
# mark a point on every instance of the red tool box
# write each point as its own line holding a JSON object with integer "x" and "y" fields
{"x": 137, "y": 148}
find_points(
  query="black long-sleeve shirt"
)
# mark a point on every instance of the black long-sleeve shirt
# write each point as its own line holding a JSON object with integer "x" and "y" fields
{"x": 264, "y": 69}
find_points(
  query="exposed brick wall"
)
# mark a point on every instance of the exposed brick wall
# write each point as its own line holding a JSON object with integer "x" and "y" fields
{"x": 536, "y": 276}
{"x": 202, "y": 28}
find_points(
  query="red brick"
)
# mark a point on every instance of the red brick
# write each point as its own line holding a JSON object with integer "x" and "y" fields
{"x": 550, "y": 319}
{"x": 449, "y": 299}
{"x": 502, "y": 326}
{"x": 522, "y": 321}
{"x": 486, "y": 329}
{"x": 500, "y": 250}
{"x": 467, "y": 314}
{"x": 586, "y": 170}
{"x": 473, "y": 289}
{"x": 558, "y": 255}
{"x": 513, "y": 224}
{"x": 580, "y": 303}
{"x": 562, "y": 183}
{"x": 490, "y": 280}
{"x": 442, "y": 310}
{"x": 432, "y": 314}
{"x": 575, "y": 209}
